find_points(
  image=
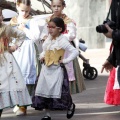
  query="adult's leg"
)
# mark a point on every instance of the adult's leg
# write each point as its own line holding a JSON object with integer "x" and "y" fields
{"x": 1, "y": 112}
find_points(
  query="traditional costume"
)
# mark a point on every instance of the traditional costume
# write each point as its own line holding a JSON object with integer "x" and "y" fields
{"x": 13, "y": 90}
{"x": 52, "y": 90}
{"x": 73, "y": 68}
{"x": 26, "y": 56}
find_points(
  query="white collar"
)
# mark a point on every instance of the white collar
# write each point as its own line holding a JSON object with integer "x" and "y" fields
{"x": 49, "y": 43}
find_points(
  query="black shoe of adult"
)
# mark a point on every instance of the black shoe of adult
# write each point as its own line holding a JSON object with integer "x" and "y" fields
{"x": 71, "y": 111}
{"x": 46, "y": 118}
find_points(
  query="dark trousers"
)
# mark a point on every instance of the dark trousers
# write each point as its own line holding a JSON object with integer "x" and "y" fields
{"x": 1, "y": 112}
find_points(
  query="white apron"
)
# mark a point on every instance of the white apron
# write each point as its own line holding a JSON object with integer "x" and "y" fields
{"x": 25, "y": 57}
{"x": 50, "y": 82}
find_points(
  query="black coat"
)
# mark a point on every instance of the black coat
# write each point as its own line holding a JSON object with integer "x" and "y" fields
{"x": 114, "y": 57}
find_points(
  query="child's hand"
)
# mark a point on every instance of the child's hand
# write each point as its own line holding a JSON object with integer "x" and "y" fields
{"x": 13, "y": 48}
{"x": 60, "y": 61}
{"x": 21, "y": 26}
{"x": 42, "y": 60}
{"x": 45, "y": 37}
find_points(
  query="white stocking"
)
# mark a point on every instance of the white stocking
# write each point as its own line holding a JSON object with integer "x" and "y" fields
{"x": 47, "y": 112}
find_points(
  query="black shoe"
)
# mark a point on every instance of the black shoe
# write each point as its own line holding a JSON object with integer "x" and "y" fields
{"x": 46, "y": 118}
{"x": 70, "y": 111}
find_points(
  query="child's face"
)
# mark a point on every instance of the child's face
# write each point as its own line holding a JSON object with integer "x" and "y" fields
{"x": 23, "y": 10}
{"x": 54, "y": 31}
{"x": 1, "y": 16}
{"x": 57, "y": 7}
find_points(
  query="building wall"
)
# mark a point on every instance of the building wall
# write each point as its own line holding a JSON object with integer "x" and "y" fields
{"x": 87, "y": 15}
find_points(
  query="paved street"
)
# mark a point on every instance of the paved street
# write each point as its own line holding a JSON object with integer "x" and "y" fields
{"x": 89, "y": 104}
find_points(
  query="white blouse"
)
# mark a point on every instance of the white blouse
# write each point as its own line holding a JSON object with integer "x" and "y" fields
{"x": 61, "y": 42}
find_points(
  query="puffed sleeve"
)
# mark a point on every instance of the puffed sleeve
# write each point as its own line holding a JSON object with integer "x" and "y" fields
{"x": 17, "y": 34}
{"x": 33, "y": 32}
{"x": 44, "y": 46}
{"x": 71, "y": 31}
{"x": 44, "y": 31}
{"x": 68, "y": 47}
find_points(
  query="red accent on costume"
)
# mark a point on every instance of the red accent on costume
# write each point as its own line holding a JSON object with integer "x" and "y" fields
{"x": 66, "y": 31}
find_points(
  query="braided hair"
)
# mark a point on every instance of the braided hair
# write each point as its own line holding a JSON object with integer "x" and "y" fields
{"x": 63, "y": 2}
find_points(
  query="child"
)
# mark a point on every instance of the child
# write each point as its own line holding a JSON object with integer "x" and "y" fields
{"x": 73, "y": 68}
{"x": 13, "y": 90}
{"x": 52, "y": 90}
{"x": 26, "y": 55}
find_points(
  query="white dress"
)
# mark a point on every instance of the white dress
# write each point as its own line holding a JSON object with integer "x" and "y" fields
{"x": 13, "y": 89}
{"x": 26, "y": 54}
{"x": 51, "y": 78}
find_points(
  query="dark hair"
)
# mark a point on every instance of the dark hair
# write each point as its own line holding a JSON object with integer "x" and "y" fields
{"x": 59, "y": 23}
{"x": 26, "y": 2}
{"x": 1, "y": 8}
{"x": 63, "y": 2}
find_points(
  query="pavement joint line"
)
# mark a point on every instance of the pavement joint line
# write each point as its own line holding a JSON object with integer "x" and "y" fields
{"x": 92, "y": 105}
{"x": 96, "y": 88}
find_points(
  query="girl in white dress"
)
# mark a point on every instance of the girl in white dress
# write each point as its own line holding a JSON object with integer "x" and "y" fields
{"x": 13, "y": 90}
{"x": 52, "y": 90}
{"x": 26, "y": 56}
{"x": 73, "y": 68}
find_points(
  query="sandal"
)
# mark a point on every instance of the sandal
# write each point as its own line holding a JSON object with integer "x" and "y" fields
{"x": 21, "y": 111}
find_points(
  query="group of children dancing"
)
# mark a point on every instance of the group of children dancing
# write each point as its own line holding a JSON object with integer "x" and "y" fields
{"x": 50, "y": 78}
{"x": 44, "y": 81}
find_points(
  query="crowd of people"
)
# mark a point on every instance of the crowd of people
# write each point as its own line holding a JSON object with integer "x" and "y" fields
{"x": 46, "y": 79}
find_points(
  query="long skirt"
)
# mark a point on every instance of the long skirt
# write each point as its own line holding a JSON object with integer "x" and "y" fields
{"x": 62, "y": 103}
{"x": 31, "y": 87}
{"x": 112, "y": 96}
{"x": 13, "y": 90}
{"x": 26, "y": 59}
{"x": 78, "y": 84}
